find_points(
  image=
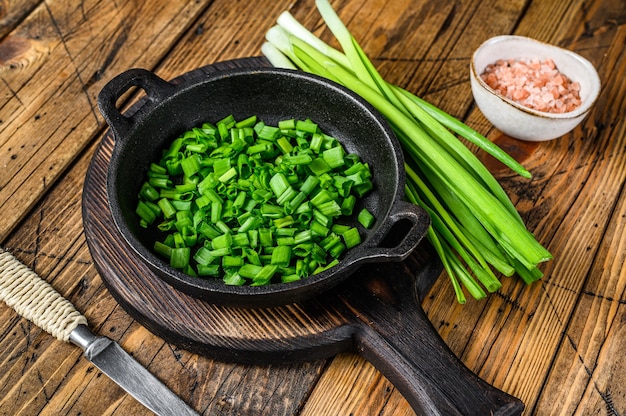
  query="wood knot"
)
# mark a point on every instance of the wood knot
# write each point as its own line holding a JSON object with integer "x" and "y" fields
{"x": 225, "y": 402}
{"x": 16, "y": 51}
{"x": 13, "y": 47}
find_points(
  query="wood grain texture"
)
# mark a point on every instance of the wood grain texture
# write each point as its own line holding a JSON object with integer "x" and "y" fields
{"x": 569, "y": 203}
{"x": 597, "y": 326}
{"x": 55, "y": 63}
{"x": 557, "y": 344}
{"x": 12, "y": 12}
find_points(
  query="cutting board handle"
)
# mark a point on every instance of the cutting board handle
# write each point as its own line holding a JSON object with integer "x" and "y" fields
{"x": 394, "y": 334}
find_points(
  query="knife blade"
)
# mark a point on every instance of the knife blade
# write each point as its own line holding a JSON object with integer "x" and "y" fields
{"x": 36, "y": 300}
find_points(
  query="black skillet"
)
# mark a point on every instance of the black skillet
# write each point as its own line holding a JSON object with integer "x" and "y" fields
{"x": 272, "y": 95}
{"x": 373, "y": 310}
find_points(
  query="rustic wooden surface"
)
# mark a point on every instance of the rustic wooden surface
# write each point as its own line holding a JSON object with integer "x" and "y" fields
{"x": 558, "y": 345}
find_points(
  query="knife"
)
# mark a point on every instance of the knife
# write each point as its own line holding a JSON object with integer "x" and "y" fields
{"x": 36, "y": 300}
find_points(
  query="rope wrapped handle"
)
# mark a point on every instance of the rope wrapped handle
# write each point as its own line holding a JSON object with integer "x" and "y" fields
{"x": 35, "y": 299}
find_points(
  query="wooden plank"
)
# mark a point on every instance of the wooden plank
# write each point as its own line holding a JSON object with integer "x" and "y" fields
{"x": 11, "y": 14}
{"x": 522, "y": 328}
{"x": 223, "y": 32}
{"x": 588, "y": 356}
{"x": 61, "y": 55}
{"x": 554, "y": 299}
{"x": 352, "y": 386}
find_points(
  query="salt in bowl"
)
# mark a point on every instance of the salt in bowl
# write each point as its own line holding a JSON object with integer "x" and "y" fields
{"x": 516, "y": 120}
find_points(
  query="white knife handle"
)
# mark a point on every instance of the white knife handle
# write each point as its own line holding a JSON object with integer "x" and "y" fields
{"x": 35, "y": 299}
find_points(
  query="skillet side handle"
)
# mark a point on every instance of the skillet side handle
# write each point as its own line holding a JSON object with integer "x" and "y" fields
{"x": 406, "y": 348}
{"x": 156, "y": 90}
{"x": 405, "y": 227}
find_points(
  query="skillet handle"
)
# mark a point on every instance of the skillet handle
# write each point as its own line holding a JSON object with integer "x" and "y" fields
{"x": 401, "y": 342}
{"x": 402, "y": 232}
{"x": 156, "y": 90}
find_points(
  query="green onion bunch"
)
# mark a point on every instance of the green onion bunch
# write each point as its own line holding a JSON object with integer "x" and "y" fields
{"x": 475, "y": 227}
{"x": 254, "y": 203}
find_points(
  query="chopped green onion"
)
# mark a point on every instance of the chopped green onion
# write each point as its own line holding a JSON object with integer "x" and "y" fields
{"x": 241, "y": 239}
{"x": 160, "y": 183}
{"x": 250, "y": 202}
{"x": 179, "y": 257}
{"x": 231, "y": 261}
{"x": 249, "y": 270}
{"x": 216, "y": 211}
{"x": 222, "y": 241}
{"x": 145, "y": 212}
{"x": 334, "y": 157}
{"x": 190, "y": 165}
{"x": 284, "y": 145}
{"x": 303, "y": 236}
{"x": 336, "y": 250}
{"x": 298, "y": 159}
{"x": 284, "y": 278}
{"x": 365, "y": 218}
{"x": 269, "y": 133}
{"x": 163, "y": 249}
{"x": 281, "y": 256}
{"x": 288, "y": 124}
{"x": 330, "y": 208}
{"x": 351, "y": 237}
{"x": 284, "y": 221}
{"x": 203, "y": 256}
{"x": 148, "y": 192}
{"x": 234, "y": 279}
{"x": 347, "y": 205}
{"x": 208, "y": 270}
{"x": 264, "y": 275}
{"x": 248, "y": 122}
{"x": 279, "y": 184}
{"x": 319, "y": 166}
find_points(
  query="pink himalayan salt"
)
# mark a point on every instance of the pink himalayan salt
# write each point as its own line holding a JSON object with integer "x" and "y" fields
{"x": 534, "y": 84}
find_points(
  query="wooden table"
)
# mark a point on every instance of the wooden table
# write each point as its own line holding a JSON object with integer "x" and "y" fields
{"x": 559, "y": 344}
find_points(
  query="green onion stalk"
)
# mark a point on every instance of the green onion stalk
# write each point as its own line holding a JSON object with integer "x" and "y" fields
{"x": 476, "y": 230}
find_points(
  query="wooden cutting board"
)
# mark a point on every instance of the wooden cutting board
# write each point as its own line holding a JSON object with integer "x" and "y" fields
{"x": 376, "y": 312}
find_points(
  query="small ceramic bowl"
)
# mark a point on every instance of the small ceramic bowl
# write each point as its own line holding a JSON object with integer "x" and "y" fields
{"x": 516, "y": 120}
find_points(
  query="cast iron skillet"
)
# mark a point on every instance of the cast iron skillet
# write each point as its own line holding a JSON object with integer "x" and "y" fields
{"x": 271, "y": 94}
